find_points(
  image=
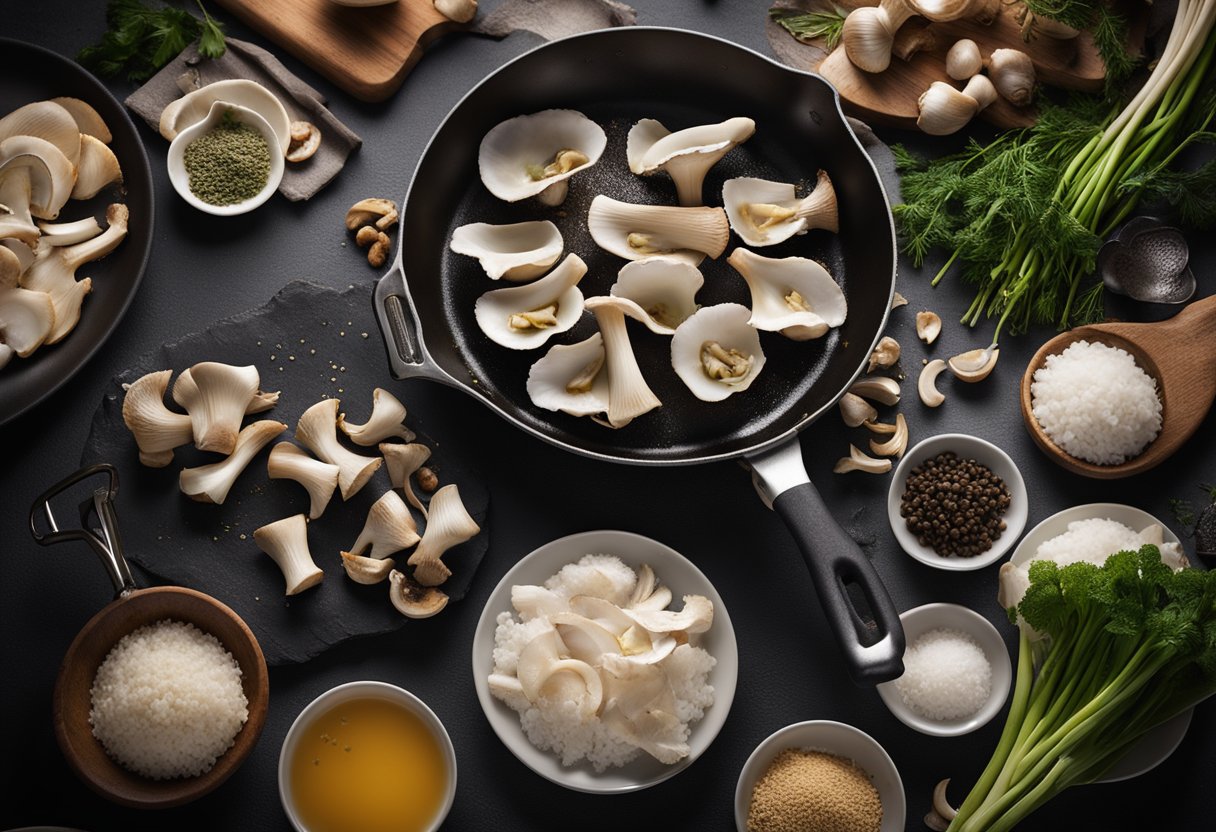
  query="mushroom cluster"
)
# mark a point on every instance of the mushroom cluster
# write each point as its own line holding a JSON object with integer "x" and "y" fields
{"x": 50, "y": 152}
{"x": 217, "y": 397}
{"x": 715, "y": 351}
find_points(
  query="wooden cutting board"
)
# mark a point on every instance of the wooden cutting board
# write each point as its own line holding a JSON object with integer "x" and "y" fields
{"x": 366, "y": 51}
{"x": 890, "y": 98}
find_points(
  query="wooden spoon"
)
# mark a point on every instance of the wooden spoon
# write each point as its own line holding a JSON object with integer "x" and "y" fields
{"x": 1175, "y": 352}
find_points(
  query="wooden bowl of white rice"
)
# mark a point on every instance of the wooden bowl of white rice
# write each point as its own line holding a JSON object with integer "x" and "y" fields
{"x": 212, "y": 715}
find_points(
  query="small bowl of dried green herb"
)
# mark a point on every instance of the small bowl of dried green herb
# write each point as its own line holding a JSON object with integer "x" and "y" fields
{"x": 229, "y": 163}
{"x": 957, "y": 502}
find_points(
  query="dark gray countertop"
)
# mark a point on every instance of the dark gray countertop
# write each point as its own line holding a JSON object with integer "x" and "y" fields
{"x": 205, "y": 268}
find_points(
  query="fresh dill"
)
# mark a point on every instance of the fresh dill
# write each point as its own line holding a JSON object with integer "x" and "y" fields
{"x": 1107, "y": 27}
{"x": 141, "y": 39}
{"x": 827, "y": 24}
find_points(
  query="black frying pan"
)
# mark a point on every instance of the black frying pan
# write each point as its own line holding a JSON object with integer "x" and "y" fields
{"x": 617, "y": 76}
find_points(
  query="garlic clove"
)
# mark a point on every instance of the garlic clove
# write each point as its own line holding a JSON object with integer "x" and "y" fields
{"x": 928, "y": 326}
{"x": 964, "y": 60}
{"x": 156, "y": 428}
{"x": 388, "y": 413}
{"x": 926, "y": 384}
{"x": 412, "y": 599}
{"x": 286, "y": 541}
{"x": 855, "y": 410}
{"x": 974, "y": 365}
{"x": 885, "y": 354}
{"x": 869, "y": 34}
{"x": 366, "y": 571}
{"x": 880, "y": 428}
{"x": 944, "y": 110}
{"x": 1012, "y": 74}
{"x": 897, "y": 444}
{"x": 317, "y": 431}
{"x": 898, "y": 300}
{"x": 211, "y": 483}
{"x": 460, "y": 11}
{"x": 389, "y": 528}
{"x": 320, "y": 479}
{"x": 881, "y": 389}
{"x": 858, "y": 461}
{"x": 448, "y": 525}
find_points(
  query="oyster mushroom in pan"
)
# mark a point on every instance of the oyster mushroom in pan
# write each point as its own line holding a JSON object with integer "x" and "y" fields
{"x": 535, "y": 155}
{"x": 51, "y": 176}
{"x": 666, "y": 289}
{"x": 524, "y": 317}
{"x": 686, "y": 155}
{"x": 764, "y": 213}
{"x": 571, "y": 378}
{"x": 716, "y": 352}
{"x": 628, "y": 394}
{"x": 517, "y": 252}
{"x": 637, "y": 232}
{"x": 48, "y": 121}
{"x": 792, "y": 295}
{"x": 27, "y": 317}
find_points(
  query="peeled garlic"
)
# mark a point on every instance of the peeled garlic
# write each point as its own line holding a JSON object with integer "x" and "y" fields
{"x": 881, "y": 389}
{"x": 1012, "y": 73}
{"x": 855, "y": 410}
{"x": 885, "y": 354}
{"x": 926, "y": 385}
{"x": 897, "y": 444}
{"x": 963, "y": 60}
{"x": 945, "y": 110}
{"x": 928, "y": 326}
{"x": 974, "y": 365}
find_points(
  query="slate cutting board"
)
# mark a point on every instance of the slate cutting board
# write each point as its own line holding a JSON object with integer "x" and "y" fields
{"x": 308, "y": 341}
{"x": 365, "y": 50}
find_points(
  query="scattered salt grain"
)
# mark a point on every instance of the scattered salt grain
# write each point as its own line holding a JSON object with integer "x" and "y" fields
{"x": 1096, "y": 403}
{"x": 946, "y": 675}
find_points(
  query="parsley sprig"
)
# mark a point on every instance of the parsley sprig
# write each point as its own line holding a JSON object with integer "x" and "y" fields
{"x": 142, "y": 39}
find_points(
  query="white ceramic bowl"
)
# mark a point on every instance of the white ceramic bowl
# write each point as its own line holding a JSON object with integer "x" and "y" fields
{"x": 833, "y": 738}
{"x": 968, "y": 447}
{"x": 920, "y": 620}
{"x": 672, "y": 570}
{"x": 1158, "y": 744}
{"x": 244, "y": 115}
{"x": 365, "y": 690}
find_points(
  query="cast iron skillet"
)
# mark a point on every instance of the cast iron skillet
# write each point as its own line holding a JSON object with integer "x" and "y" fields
{"x": 682, "y": 78}
{"x": 32, "y": 73}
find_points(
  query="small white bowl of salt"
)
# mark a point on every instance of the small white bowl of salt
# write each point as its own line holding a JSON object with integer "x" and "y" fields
{"x": 957, "y": 672}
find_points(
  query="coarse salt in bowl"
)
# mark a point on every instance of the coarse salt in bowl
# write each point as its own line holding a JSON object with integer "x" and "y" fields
{"x": 955, "y": 693}
{"x": 988, "y": 455}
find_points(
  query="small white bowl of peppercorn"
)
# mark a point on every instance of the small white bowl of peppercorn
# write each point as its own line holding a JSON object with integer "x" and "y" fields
{"x": 957, "y": 502}
{"x": 229, "y": 163}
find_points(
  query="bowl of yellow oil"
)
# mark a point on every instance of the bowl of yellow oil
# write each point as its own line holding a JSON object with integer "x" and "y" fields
{"x": 368, "y": 756}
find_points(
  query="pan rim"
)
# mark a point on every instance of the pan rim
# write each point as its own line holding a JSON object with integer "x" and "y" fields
{"x": 435, "y": 372}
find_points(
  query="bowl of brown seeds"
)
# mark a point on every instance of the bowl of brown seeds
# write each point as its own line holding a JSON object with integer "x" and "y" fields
{"x": 957, "y": 502}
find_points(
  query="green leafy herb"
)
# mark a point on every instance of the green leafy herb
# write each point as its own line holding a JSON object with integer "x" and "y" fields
{"x": 1183, "y": 511}
{"x": 142, "y": 39}
{"x": 1109, "y": 31}
{"x": 1121, "y": 648}
{"x": 807, "y": 26}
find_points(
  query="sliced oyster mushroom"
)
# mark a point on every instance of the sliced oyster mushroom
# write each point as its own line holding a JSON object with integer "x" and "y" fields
{"x": 629, "y": 396}
{"x": 525, "y": 317}
{"x": 584, "y": 639}
{"x": 286, "y": 541}
{"x": 317, "y": 431}
{"x": 449, "y": 524}
{"x": 412, "y": 599}
{"x": 389, "y": 528}
{"x": 98, "y": 167}
{"x": 48, "y": 121}
{"x": 320, "y": 479}
{"x": 686, "y": 155}
{"x": 527, "y": 155}
{"x": 517, "y": 252}
{"x": 16, "y": 193}
{"x": 27, "y": 317}
{"x": 156, "y": 428}
{"x": 366, "y": 571}
{"x": 974, "y": 365}
{"x": 216, "y": 395}
{"x": 211, "y": 483}
{"x": 647, "y": 593}
{"x": 928, "y": 326}
{"x": 403, "y": 461}
{"x": 792, "y": 295}
{"x": 666, "y": 289}
{"x": 55, "y": 234}
{"x": 637, "y": 232}
{"x": 764, "y": 213}
{"x": 543, "y": 673}
{"x": 52, "y": 175}
{"x": 569, "y": 378}
{"x": 926, "y": 385}
{"x": 195, "y": 106}
{"x": 88, "y": 120}
{"x": 856, "y": 411}
{"x": 388, "y": 413}
{"x": 716, "y": 353}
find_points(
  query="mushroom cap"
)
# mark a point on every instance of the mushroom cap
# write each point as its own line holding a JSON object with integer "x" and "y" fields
{"x": 412, "y": 599}
{"x": 515, "y": 147}
{"x": 682, "y": 233}
{"x": 97, "y": 168}
{"x": 686, "y": 155}
{"x": 52, "y": 174}
{"x": 665, "y": 288}
{"x": 550, "y": 377}
{"x": 517, "y": 252}
{"x": 773, "y": 280}
{"x": 495, "y": 308}
{"x": 88, "y": 120}
{"x": 46, "y": 120}
{"x": 726, "y": 324}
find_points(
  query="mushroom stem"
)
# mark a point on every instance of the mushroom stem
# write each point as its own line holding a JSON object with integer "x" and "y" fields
{"x": 389, "y": 528}
{"x": 449, "y": 525}
{"x": 388, "y": 413}
{"x": 211, "y": 483}
{"x": 156, "y": 428}
{"x": 317, "y": 431}
{"x": 286, "y": 541}
{"x": 318, "y": 478}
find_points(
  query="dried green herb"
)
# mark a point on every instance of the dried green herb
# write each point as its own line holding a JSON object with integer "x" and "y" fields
{"x": 228, "y": 164}
{"x": 142, "y": 39}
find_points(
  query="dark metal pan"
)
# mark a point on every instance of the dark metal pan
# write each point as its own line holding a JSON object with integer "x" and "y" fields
{"x": 425, "y": 303}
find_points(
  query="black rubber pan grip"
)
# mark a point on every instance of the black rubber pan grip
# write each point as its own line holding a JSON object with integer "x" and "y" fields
{"x": 874, "y": 649}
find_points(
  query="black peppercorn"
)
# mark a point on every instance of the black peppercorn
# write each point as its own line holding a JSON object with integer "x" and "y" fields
{"x": 953, "y": 505}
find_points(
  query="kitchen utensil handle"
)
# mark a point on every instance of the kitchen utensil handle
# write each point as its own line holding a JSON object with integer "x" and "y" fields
{"x": 104, "y": 540}
{"x": 873, "y": 651}
{"x": 402, "y": 330}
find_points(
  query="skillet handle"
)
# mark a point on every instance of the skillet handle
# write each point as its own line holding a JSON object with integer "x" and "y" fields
{"x": 402, "y": 330}
{"x": 873, "y": 652}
